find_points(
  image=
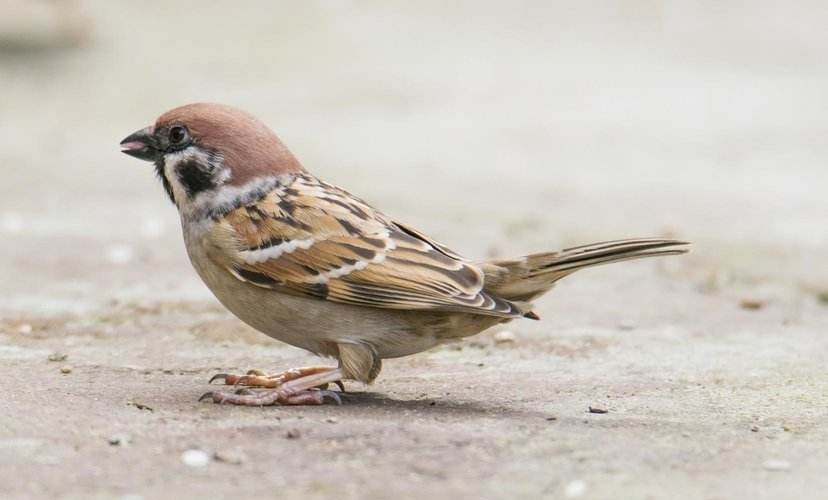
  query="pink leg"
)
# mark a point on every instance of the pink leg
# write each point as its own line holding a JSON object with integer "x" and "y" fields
{"x": 268, "y": 398}
{"x": 258, "y": 378}
{"x": 299, "y": 391}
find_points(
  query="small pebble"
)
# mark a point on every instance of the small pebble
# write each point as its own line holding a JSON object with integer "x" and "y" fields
{"x": 776, "y": 465}
{"x": 293, "y": 434}
{"x": 58, "y": 356}
{"x": 140, "y": 406}
{"x": 119, "y": 440}
{"x": 575, "y": 489}
{"x": 754, "y": 428}
{"x": 503, "y": 337}
{"x": 596, "y": 409}
{"x": 751, "y": 305}
{"x": 551, "y": 419}
{"x": 233, "y": 456}
{"x": 331, "y": 420}
{"x": 24, "y": 328}
{"x": 195, "y": 458}
{"x": 65, "y": 370}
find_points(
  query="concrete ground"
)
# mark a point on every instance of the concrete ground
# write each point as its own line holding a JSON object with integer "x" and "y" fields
{"x": 498, "y": 131}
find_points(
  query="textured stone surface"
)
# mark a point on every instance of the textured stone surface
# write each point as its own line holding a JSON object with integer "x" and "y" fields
{"x": 498, "y": 131}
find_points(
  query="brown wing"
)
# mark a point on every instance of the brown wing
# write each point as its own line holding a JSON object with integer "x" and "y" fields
{"x": 315, "y": 239}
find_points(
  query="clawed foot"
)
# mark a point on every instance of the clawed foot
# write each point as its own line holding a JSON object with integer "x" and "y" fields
{"x": 246, "y": 397}
{"x": 258, "y": 378}
{"x": 298, "y": 386}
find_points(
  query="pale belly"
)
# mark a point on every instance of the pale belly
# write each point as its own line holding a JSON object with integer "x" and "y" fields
{"x": 315, "y": 324}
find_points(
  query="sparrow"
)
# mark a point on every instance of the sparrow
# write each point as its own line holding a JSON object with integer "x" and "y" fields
{"x": 312, "y": 265}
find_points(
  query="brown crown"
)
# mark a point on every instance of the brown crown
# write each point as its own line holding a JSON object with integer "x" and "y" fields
{"x": 249, "y": 147}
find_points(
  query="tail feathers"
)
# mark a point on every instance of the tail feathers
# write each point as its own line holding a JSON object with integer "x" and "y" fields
{"x": 526, "y": 278}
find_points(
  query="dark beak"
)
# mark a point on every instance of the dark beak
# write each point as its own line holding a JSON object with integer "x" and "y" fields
{"x": 141, "y": 145}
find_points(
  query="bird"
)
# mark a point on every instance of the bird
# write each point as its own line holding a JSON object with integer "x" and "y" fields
{"x": 312, "y": 265}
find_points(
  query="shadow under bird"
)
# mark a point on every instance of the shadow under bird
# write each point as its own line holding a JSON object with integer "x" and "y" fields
{"x": 308, "y": 263}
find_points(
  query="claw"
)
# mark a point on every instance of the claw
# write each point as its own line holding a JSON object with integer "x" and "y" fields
{"x": 338, "y": 384}
{"x": 332, "y": 396}
{"x": 206, "y": 395}
{"x": 218, "y": 376}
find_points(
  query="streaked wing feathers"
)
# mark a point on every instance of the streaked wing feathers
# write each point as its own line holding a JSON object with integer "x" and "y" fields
{"x": 314, "y": 239}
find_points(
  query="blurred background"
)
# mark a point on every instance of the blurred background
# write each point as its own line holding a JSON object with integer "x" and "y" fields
{"x": 499, "y": 128}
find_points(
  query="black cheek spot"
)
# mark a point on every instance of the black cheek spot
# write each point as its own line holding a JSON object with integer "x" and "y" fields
{"x": 195, "y": 178}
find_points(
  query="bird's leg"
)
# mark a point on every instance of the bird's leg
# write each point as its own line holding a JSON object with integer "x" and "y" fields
{"x": 298, "y": 391}
{"x": 258, "y": 378}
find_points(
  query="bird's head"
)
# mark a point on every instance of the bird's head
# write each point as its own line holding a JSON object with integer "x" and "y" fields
{"x": 204, "y": 153}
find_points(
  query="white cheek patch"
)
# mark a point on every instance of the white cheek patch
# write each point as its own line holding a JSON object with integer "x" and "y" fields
{"x": 174, "y": 161}
{"x": 171, "y": 162}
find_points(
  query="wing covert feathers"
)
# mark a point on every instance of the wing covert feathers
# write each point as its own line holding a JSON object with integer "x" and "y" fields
{"x": 311, "y": 238}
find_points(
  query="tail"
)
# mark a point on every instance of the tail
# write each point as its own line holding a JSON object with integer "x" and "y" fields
{"x": 526, "y": 278}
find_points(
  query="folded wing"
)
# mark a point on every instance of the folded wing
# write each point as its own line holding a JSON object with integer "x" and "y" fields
{"x": 314, "y": 239}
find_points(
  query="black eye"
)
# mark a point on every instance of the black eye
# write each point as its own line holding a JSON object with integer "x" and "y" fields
{"x": 179, "y": 136}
